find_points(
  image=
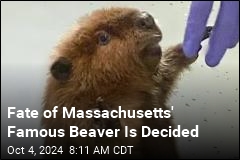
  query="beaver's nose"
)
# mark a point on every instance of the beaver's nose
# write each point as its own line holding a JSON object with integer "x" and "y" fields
{"x": 145, "y": 21}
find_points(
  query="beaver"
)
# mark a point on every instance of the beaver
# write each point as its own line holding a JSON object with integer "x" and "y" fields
{"x": 112, "y": 58}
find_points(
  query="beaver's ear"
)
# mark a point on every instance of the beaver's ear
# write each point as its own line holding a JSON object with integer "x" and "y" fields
{"x": 61, "y": 69}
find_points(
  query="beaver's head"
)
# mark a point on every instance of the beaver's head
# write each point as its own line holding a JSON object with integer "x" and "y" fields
{"x": 108, "y": 46}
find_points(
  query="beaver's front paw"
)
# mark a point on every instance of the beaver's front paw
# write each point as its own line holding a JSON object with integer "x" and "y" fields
{"x": 179, "y": 48}
{"x": 206, "y": 35}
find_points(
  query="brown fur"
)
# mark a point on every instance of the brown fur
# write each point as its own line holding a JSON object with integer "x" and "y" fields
{"x": 121, "y": 74}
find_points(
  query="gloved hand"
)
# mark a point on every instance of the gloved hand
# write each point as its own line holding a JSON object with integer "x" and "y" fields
{"x": 225, "y": 33}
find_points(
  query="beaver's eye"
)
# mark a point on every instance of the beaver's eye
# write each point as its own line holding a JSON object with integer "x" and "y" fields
{"x": 103, "y": 38}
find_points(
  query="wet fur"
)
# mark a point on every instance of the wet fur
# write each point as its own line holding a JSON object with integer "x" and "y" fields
{"x": 116, "y": 73}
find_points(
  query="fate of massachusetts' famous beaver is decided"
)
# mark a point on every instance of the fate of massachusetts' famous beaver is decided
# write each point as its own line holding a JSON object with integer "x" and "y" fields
{"x": 112, "y": 58}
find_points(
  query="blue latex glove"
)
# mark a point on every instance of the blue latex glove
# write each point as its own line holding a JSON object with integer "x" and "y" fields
{"x": 225, "y": 33}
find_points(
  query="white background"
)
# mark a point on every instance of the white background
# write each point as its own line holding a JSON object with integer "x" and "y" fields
{"x": 205, "y": 96}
